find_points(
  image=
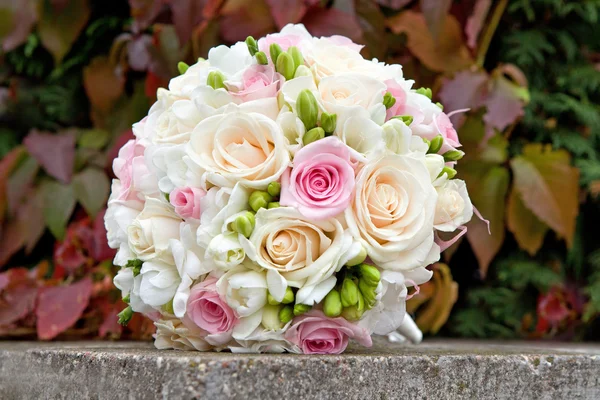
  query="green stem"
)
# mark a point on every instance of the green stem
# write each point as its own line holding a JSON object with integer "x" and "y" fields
{"x": 488, "y": 34}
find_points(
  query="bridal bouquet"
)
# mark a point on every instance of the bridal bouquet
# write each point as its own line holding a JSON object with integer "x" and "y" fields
{"x": 281, "y": 196}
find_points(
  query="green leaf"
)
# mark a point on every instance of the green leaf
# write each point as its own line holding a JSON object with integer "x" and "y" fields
{"x": 91, "y": 188}
{"x": 93, "y": 139}
{"x": 20, "y": 181}
{"x": 59, "y": 203}
{"x": 520, "y": 271}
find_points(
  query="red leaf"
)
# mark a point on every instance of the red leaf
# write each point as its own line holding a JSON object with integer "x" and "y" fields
{"x": 56, "y": 153}
{"x": 186, "y": 14}
{"x": 59, "y": 307}
{"x": 465, "y": 90}
{"x": 23, "y": 16}
{"x": 393, "y": 4}
{"x": 504, "y": 104}
{"x": 245, "y": 17}
{"x": 17, "y": 295}
{"x": 328, "y": 22}
{"x": 435, "y": 12}
{"x": 144, "y": 12}
{"x": 475, "y": 21}
{"x": 287, "y": 11}
{"x": 7, "y": 164}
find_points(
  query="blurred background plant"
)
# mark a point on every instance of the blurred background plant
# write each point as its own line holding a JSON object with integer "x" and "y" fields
{"x": 75, "y": 74}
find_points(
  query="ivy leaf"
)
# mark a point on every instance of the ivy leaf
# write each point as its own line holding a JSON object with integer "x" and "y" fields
{"x": 504, "y": 103}
{"x": 435, "y": 12}
{"x": 91, "y": 188}
{"x": 549, "y": 187}
{"x": 20, "y": 181}
{"x": 528, "y": 230}
{"x": 448, "y": 54}
{"x": 59, "y": 203}
{"x": 58, "y": 162}
{"x": 489, "y": 197}
{"x": 59, "y": 28}
{"x": 103, "y": 87}
{"x": 372, "y": 22}
{"x": 332, "y": 21}
{"x": 287, "y": 11}
{"x": 465, "y": 90}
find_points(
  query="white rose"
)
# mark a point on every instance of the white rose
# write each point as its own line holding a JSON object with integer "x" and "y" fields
{"x": 173, "y": 334}
{"x": 239, "y": 147}
{"x": 353, "y": 94}
{"x": 392, "y": 213}
{"x": 159, "y": 283}
{"x": 225, "y": 251}
{"x": 173, "y": 167}
{"x": 264, "y": 341}
{"x": 119, "y": 215}
{"x": 211, "y": 101}
{"x": 245, "y": 290}
{"x": 150, "y": 232}
{"x": 175, "y": 124}
{"x": 453, "y": 207}
{"x": 326, "y": 58}
{"x": 196, "y": 75}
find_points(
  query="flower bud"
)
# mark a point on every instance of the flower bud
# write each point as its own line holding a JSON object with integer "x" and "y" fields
{"x": 125, "y": 316}
{"x": 425, "y": 92}
{"x": 261, "y": 58}
{"x": 349, "y": 293}
{"x": 302, "y": 70}
{"x": 307, "y": 109}
{"x": 127, "y": 299}
{"x": 388, "y": 100}
{"x": 328, "y": 122}
{"x": 407, "y": 119}
{"x": 358, "y": 259}
{"x": 259, "y": 199}
{"x": 273, "y": 204}
{"x": 368, "y": 293}
{"x": 271, "y": 300}
{"x": 244, "y": 224}
{"x": 288, "y": 297}
{"x": 426, "y": 141}
{"x": 215, "y": 80}
{"x": 285, "y": 65}
{"x": 440, "y": 105}
{"x": 451, "y": 172}
{"x": 453, "y": 155}
{"x": 300, "y": 309}
{"x": 270, "y": 317}
{"x": 370, "y": 274}
{"x": 355, "y": 312}
{"x": 296, "y": 56}
{"x": 286, "y": 314}
{"x": 168, "y": 307}
{"x": 182, "y": 67}
{"x": 332, "y": 305}
{"x": 252, "y": 45}
{"x": 274, "y": 189}
{"x": 435, "y": 145}
{"x": 135, "y": 265}
{"x": 313, "y": 135}
{"x": 274, "y": 50}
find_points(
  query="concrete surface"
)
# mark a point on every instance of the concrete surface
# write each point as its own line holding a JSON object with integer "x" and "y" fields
{"x": 431, "y": 370}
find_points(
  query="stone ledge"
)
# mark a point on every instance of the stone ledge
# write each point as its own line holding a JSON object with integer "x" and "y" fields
{"x": 433, "y": 370}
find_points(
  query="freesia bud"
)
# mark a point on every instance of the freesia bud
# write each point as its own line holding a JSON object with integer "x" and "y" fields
{"x": 370, "y": 274}
{"x": 313, "y": 135}
{"x": 349, "y": 293}
{"x": 328, "y": 122}
{"x": 285, "y": 65}
{"x": 270, "y": 317}
{"x": 307, "y": 108}
{"x": 288, "y": 297}
{"x": 244, "y": 224}
{"x": 296, "y": 56}
{"x": 271, "y": 300}
{"x": 125, "y": 316}
{"x": 286, "y": 314}
{"x": 355, "y": 312}
{"x": 451, "y": 172}
{"x": 252, "y": 45}
{"x": 300, "y": 309}
{"x": 273, "y": 204}
{"x": 274, "y": 189}
{"x": 168, "y": 307}
{"x": 332, "y": 305}
{"x": 388, "y": 100}
{"x": 127, "y": 299}
{"x": 274, "y": 50}
{"x": 261, "y": 58}
{"x": 368, "y": 293}
{"x": 360, "y": 257}
{"x": 215, "y": 80}
{"x": 302, "y": 70}
{"x": 182, "y": 67}
{"x": 440, "y": 105}
{"x": 259, "y": 199}
{"x": 436, "y": 144}
{"x": 407, "y": 119}
{"x": 426, "y": 141}
{"x": 135, "y": 265}
{"x": 453, "y": 155}
{"x": 425, "y": 92}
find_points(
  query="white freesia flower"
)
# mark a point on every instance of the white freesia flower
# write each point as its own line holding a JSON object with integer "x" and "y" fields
{"x": 362, "y": 134}
{"x": 390, "y": 310}
{"x": 293, "y": 129}
{"x": 173, "y": 167}
{"x": 174, "y": 125}
{"x": 196, "y": 75}
{"x": 225, "y": 251}
{"x": 245, "y": 290}
{"x": 230, "y": 61}
{"x": 173, "y": 334}
{"x": 453, "y": 207}
{"x": 292, "y": 88}
{"x": 159, "y": 282}
{"x": 264, "y": 341}
{"x": 399, "y": 138}
{"x": 124, "y": 281}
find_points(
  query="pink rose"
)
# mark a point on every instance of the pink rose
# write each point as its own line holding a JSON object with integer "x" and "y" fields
{"x": 283, "y": 40}
{"x": 446, "y": 129}
{"x": 400, "y": 107}
{"x": 187, "y": 201}
{"x": 209, "y": 312}
{"x": 321, "y": 182}
{"x": 314, "y": 333}
{"x": 131, "y": 169}
{"x": 258, "y": 82}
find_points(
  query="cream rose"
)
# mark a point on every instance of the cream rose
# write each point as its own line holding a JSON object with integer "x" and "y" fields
{"x": 392, "y": 213}
{"x": 174, "y": 125}
{"x": 453, "y": 207}
{"x": 326, "y": 57}
{"x": 150, "y": 232}
{"x": 239, "y": 147}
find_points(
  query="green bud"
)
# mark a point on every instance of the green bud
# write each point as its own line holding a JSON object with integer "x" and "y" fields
{"x": 332, "y": 305}
{"x": 302, "y": 70}
{"x": 286, "y": 314}
{"x": 358, "y": 259}
{"x": 135, "y": 265}
{"x": 275, "y": 50}
{"x": 273, "y": 204}
{"x": 388, "y": 100}
{"x": 270, "y": 317}
{"x": 182, "y": 67}
{"x": 453, "y": 155}
{"x": 451, "y": 172}
{"x": 355, "y": 312}
{"x": 296, "y": 56}
{"x": 425, "y": 92}
{"x": 370, "y": 274}
{"x": 271, "y": 300}
{"x": 274, "y": 189}
{"x": 328, "y": 122}
{"x": 368, "y": 293}
{"x": 126, "y": 299}
{"x": 167, "y": 197}
{"x": 168, "y": 307}
{"x": 426, "y": 141}
{"x": 440, "y": 105}
{"x": 307, "y": 109}
{"x": 285, "y": 65}
{"x": 261, "y": 58}
{"x": 244, "y": 224}
{"x": 252, "y": 45}
{"x": 300, "y": 309}
{"x": 313, "y": 135}
{"x": 407, "y": 119}
{"x": 259, "y": 199}
{"x": 349, "y": 293}
{"x": 288, "y": 297}
{"x": 215, "y": 80}
{"x": 435, "y": 145}
{"x": 125, "y": 316}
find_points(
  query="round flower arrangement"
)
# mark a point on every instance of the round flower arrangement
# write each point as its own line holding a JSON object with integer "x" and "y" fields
{"x": 281, "y": 196}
